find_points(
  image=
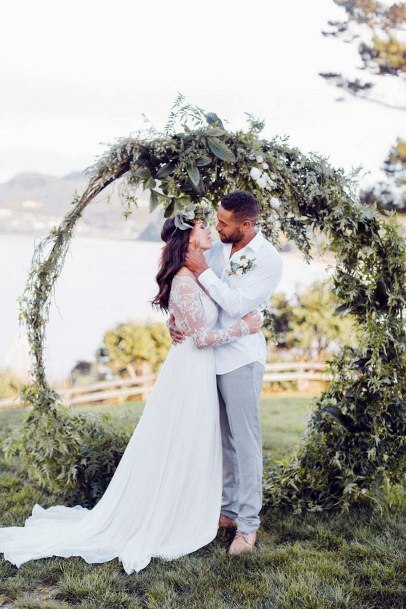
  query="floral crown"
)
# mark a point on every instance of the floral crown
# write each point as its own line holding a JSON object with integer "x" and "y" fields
{"x": 195, "y": 211}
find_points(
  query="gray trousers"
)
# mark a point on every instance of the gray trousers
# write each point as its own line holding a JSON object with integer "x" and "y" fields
{"x": 239, "y": 393}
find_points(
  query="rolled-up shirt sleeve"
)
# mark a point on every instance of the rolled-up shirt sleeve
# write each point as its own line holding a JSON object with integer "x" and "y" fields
{"x": 254, "y": 290}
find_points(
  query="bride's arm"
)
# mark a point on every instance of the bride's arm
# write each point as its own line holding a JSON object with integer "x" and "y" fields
{"x": 188, "y": 301}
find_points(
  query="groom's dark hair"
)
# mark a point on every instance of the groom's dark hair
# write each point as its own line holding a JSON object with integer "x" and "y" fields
{"x": 243, "y": 205}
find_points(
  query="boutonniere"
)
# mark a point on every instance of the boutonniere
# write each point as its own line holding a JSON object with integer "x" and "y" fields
{"x": 240, "y": 268}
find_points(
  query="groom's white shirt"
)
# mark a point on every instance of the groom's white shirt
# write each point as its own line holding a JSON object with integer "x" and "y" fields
{"x": 238, "y": 295}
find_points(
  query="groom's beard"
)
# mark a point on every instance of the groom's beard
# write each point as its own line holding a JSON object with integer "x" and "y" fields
{"x": 233, "y": 238}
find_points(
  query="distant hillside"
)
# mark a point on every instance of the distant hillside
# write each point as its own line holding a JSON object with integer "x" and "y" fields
{"x": 34, "y": 202}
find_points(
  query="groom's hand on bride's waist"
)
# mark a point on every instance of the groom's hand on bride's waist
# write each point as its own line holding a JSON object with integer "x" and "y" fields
{"x": 177, "y": 335}
{"x": 195, "y": 261}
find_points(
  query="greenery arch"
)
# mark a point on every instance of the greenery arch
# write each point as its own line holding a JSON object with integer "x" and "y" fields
{"x": 355, "y": 441}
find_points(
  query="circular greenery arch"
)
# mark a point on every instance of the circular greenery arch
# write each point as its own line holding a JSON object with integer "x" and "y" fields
{"x": 355, "y": 441}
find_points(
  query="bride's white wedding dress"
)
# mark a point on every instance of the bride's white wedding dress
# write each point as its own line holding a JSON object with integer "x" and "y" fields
{"x": 164, "y": 499}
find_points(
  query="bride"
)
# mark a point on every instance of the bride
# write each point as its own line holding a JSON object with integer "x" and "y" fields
{"x": 164, "y": 499}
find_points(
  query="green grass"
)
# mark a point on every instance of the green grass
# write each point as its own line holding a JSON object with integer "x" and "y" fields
{"x": 323, "y": 561}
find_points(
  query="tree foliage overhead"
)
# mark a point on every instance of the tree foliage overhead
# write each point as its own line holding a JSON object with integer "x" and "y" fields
{"x": 382, "y": 51}
{"x": 387, "y": 54}
{"x": 356, "y": 435}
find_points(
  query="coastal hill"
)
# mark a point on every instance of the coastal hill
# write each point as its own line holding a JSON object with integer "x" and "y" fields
{"x": 32, "y": 203}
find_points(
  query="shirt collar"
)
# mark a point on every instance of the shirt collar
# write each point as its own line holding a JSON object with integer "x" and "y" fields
{"x": 254, "y": 245}
{"x": 256, "y": 242}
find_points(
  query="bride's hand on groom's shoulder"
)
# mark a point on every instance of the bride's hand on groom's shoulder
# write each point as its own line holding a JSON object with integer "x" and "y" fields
{"x": 177, "y": 335}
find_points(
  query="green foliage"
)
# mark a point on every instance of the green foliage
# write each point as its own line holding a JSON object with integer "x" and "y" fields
{"x": 315, "y": 326}
{"x": 137, "y": 347}
{"x": 355, "y": 443}
{"x": 309, "y": 323}
{"x": 395, "y": 163}
{"x": 358, "y": 428}
{"x": 391, "y": 193}
{"x": 71, "y": 454}
{"x": 390, "y": 54}
{"x": 351, "y": 450}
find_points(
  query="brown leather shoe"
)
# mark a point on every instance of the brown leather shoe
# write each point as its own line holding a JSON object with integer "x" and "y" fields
{"x": 243, "y": 542}
{"x": 226, "y": 523}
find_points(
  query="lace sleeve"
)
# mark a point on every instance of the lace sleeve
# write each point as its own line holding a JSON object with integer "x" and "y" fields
{"x": 188, "y": 300}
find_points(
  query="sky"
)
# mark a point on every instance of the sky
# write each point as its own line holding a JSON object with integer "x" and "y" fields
{"x": 76, "y": 76}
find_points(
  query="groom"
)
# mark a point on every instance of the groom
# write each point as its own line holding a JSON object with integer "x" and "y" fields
{"x": 240, "y": 272}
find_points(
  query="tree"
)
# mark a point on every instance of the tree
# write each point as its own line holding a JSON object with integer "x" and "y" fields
{"x": 381, "y": 50}
{"x": 383, "y": 55}
{"x": 315, "y": 328}
{"x": 390, "y": 194}
{"x": 138, "y": 349}
{"x": 281, "y": 314}
{"x": 309, "y": 323}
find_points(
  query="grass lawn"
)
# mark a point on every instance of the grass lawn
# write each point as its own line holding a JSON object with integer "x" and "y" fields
{"x": 323, "y": 561}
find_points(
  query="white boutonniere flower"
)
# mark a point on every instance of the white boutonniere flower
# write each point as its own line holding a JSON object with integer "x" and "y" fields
{"x": 240, "y": 268}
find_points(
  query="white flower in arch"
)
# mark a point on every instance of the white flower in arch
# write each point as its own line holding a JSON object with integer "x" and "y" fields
{"x": 255, "y": 173}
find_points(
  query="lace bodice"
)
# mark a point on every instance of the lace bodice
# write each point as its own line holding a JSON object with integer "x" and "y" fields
{"x": 196, "y": 314}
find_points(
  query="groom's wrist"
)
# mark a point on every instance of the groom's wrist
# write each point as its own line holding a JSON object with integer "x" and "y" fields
{"x": 201, "y": 269}
{"x": 207, "y": 278}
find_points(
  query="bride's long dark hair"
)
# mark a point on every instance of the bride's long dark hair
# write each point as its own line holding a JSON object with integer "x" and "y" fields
{"x": 172, "y": 259}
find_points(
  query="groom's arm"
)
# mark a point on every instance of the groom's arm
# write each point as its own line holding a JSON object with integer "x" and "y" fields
{"x": 257, "y": 287}
{"x": 177, "y": 335}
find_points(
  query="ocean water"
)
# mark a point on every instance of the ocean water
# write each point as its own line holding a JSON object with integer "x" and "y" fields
{"x": 103, "y": 282}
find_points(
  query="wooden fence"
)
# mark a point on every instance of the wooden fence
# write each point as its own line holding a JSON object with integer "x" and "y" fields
{"x": 299, "y": 372}
{"x": 302, "y": 373}
{"x": 99, "y": 392}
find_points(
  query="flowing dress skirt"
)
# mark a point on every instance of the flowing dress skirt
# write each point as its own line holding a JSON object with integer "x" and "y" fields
{"x": 164, "y": 499}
